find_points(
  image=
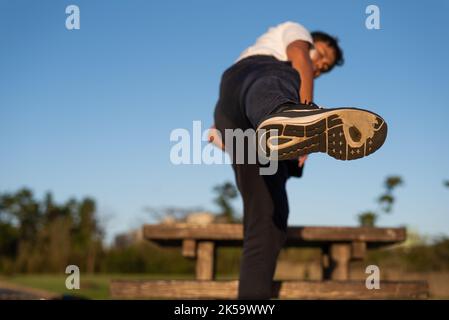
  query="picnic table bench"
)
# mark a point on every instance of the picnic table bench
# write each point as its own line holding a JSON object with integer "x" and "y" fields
{"x": 339, "y": 246}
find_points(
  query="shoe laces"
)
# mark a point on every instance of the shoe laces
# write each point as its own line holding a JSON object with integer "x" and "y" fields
{"x": 312, "y": 105}
{"x": 307, "y": 105}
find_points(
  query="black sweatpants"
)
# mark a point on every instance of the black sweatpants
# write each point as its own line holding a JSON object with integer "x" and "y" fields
{"x": 249, "y": 90}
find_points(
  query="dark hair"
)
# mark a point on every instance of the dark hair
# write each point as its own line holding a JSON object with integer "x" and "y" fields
{"x": 333, "y": 43}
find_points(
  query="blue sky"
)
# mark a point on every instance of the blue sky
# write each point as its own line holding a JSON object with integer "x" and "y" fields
{"x": 89, "y": 112}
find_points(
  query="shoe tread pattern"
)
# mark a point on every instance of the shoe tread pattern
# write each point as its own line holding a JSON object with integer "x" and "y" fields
{"x": 326, "y": 135}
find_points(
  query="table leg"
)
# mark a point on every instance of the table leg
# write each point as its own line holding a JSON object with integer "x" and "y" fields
{"x": 205, "y": 263}
{"x": 336, "y": 261}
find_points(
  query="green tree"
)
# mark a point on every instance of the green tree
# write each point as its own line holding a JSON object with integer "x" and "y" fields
{"x": 385, "y": 201}
{"x": 43, "y": 236}
{"x": 22, "y": 210}
{"x": 367, "y": 219}
{"x": 226, "y": 192}
{"x": 88, "y": 234}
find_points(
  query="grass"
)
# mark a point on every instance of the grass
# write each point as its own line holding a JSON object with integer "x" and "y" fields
{"x": 93, "y": 286}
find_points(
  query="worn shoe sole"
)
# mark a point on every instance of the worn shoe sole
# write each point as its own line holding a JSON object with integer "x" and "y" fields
{"x": 342, "y": 133}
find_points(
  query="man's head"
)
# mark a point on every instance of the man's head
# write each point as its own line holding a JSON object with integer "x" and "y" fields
{"x": 326, "y": 53}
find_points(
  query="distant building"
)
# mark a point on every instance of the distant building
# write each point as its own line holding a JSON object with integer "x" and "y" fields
{"x": 200, "y": 217}
{"x": 124, "y": 240}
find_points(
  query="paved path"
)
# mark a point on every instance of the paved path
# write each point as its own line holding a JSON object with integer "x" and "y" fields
{"x": 10, "y": 291}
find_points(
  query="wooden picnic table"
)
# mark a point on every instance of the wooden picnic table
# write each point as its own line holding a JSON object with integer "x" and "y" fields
{"x": 339, "y": 246}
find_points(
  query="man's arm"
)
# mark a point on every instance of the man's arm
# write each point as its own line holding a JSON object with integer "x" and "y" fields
{"x": 298, "y": 54}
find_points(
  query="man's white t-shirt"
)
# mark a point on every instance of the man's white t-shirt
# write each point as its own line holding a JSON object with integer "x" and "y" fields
{"x": 275, "y": 41}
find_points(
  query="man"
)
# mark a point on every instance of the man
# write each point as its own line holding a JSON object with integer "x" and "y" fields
{"x": 270, "y": 88}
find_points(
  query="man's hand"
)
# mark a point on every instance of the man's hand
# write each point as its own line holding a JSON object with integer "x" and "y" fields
{"x": 301, "y": 160}
{"x": 215, "y": 138}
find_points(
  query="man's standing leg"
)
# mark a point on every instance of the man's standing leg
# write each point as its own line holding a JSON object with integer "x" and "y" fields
{"x": 265, "y": 218}
{"x": 265, "y": 202}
